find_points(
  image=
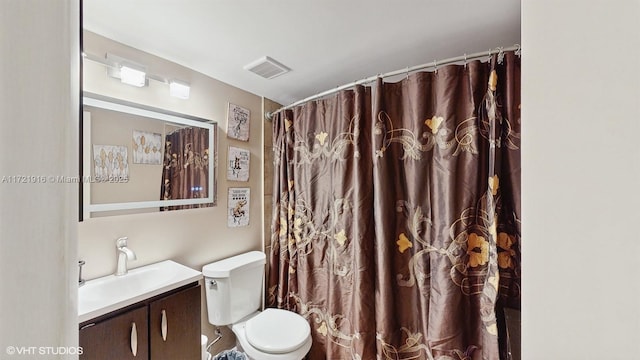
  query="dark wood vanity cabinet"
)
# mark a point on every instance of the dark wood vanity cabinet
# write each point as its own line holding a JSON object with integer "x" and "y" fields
{"x": 166, "y": 327}
{"x": 180, "y": 313}
{"x": 112, "y": 338}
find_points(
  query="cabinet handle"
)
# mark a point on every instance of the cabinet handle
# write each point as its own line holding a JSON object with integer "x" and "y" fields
{"x": 134, "y": 339}
{"x": 164, "y": 325}
{"x": 88, "y": 326}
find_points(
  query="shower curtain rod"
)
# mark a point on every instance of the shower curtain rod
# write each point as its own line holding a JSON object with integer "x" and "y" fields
{"x": 434, "y": 64}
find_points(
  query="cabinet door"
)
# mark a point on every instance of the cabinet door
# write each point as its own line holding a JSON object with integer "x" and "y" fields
{"x": 115, "y": 338}
{"x": 174, "y": 326}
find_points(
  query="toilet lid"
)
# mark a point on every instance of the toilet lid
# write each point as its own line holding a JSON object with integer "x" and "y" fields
{"x": 277, "y": 331}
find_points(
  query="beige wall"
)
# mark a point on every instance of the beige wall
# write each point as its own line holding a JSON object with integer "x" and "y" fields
{"x": 580, "y": 178}
{"x": 191, "y": 237}
{"x": 39, "y": 73}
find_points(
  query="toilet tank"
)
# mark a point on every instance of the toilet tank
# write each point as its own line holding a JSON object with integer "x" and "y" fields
{"x": 233, "y": 287}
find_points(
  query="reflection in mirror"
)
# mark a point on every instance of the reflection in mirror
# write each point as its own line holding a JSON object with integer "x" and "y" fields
{"x": 141, "y": 159}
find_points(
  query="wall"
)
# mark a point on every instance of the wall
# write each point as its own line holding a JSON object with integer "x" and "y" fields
{"x": 580, "y": 178}
{"x": 192, "y": 237}
{"x": 39, "y": 73}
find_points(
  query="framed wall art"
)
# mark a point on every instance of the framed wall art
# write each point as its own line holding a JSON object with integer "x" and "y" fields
{"x": 238, "y": 164}
{"x": 110, "y": 162}
{"x": 238, "y": 207}
{"x": 238, "y": 119}
{"x": 147, "y": 147}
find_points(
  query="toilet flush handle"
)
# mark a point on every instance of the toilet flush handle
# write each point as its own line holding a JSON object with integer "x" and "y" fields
{"x": 213, "y": 283}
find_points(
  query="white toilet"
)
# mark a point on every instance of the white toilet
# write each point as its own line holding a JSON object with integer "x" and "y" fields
{"x": 234, "y": 297}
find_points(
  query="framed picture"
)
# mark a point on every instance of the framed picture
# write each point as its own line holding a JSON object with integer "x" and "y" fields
{"x": 238, "y": 207}
{"x": 147, "y": 148}
{"x": 238, "y": 119}
{"x": 238, "y": 164}
{"x": 110, "y": 162}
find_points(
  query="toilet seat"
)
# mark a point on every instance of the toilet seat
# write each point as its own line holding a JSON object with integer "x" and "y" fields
{"x": 277, "y": 331}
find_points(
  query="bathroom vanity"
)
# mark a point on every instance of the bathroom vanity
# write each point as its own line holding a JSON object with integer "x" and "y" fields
{"x": 153, "y": 313}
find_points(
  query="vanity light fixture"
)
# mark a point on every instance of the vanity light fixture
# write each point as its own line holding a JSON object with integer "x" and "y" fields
{"x": 132, "y": 73}
{"x": 126, "y": 70}
{"x": 179, "y": 89}
{"x": 131, "y": 76}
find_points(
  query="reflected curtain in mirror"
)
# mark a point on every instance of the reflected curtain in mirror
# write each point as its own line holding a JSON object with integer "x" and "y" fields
{"x": 186, "y": 167}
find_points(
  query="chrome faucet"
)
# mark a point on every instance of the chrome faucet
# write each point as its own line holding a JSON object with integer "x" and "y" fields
{"x": 124, "y": 254}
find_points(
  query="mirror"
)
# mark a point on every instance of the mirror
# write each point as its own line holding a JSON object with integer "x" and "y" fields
{"x": 142, "y": 159}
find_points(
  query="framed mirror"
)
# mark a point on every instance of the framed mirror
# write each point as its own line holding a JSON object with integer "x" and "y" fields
{"x": 143, "y": 159}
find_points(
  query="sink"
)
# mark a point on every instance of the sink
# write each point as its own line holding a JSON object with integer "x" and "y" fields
{"x": 103, "y": 295}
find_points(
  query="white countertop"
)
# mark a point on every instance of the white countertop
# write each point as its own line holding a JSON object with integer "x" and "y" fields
{"x": 103, "y": 295}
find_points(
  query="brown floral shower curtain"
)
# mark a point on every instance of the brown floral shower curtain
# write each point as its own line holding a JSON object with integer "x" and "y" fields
{"x": 185, "y": 173}
{"x": 396, "y": 229}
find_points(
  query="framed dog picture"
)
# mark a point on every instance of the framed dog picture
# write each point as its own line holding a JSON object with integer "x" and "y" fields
{"x": 238, "y": 207}
{"x": 238, "y": 164}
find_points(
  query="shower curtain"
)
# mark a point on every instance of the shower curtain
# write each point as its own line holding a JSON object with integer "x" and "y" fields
{"x": 396, "y": 228}
{"x": 185, "y": 173}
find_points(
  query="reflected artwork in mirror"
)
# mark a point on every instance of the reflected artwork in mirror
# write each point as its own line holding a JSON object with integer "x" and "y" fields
{"x": 136, "y": 158}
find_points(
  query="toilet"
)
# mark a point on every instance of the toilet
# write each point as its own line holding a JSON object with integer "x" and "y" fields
{"x": 234, "y": 296}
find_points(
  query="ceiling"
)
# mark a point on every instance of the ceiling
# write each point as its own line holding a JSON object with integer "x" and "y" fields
{"x": 326, "y": 43}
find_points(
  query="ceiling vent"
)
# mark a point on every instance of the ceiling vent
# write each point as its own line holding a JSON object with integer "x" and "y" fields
{"x": 267, "y": 68}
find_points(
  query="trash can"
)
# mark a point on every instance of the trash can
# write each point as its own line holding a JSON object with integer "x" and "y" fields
{"x": 230, "y": 355}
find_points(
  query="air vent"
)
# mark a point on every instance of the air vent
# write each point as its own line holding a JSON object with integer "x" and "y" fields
{"x": 267, "y": 68}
